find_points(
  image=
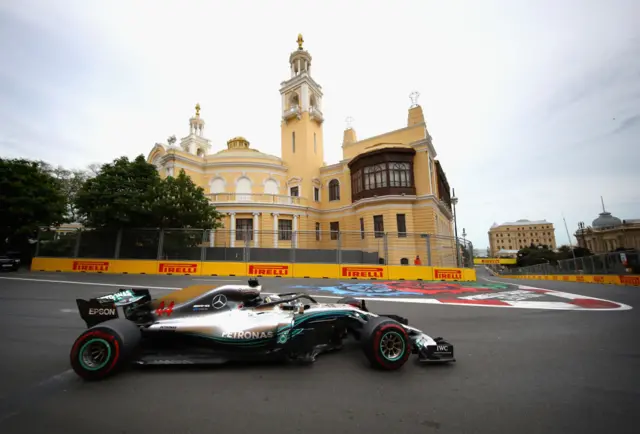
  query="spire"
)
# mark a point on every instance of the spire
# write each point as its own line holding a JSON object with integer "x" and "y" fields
{"x": 196, "y": 124}
{"x": 349, "y": 135}
{"x": 602, "y": 201}
{"x": 415, "y": 111}
{"x": 300, "y": 60}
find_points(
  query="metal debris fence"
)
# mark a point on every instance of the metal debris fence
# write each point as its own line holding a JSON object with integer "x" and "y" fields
{"x": 328, "y": 247}
{"x": 604, "y": 263}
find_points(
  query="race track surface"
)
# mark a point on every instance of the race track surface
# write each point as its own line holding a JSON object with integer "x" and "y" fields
{"x": 568, "y": 365}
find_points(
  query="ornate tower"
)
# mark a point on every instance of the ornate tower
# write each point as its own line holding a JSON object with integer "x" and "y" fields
{"x": 302, "y": 144}
{"x": 195, "y": 143}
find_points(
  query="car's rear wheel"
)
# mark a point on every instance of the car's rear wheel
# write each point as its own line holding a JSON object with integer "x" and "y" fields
{"x": 386, "y": 343}
{"x": 103, "y": 349}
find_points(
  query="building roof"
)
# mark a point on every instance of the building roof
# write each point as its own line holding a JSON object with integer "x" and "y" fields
{"x": 522, "y": 222}
{"x": 606, "y": 220}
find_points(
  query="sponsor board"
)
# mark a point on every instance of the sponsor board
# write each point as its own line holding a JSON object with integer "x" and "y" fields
{"x": 610, "y": 279}
{"x": 247, "y": 335}
{"x": 488, "y": 261}
{"x": 93, "y": 266}
{"x": 630, "y": 280}
{"x": 268, "y": 270}
{"x": 447, "y": 274}
{"x": 175, "y": 267}
{"x": 362, "y": 272}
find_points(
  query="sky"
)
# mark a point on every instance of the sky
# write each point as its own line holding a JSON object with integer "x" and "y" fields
{"x": 533, "y": 105}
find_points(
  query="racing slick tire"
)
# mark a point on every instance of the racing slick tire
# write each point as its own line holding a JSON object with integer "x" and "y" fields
{"x": 386, "y": 343}
{"x": 105, "y": 348}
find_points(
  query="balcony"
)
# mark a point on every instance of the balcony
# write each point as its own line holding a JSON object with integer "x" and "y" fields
{"x": 262, "y": 198}
{"x": 316, "y": 114}
{"x": 291, "y": 112}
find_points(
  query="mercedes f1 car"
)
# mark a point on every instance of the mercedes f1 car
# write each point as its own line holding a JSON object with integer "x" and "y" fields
{"x": 207, "y": 324}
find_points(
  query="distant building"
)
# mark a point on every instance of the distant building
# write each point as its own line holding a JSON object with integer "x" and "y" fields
{"x": 608, "y": 233}
{"x": 506, "y": 239}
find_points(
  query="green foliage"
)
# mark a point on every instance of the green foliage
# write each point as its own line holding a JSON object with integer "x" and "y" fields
{"x": 71, "y": 181}
{"x": 29, "y": 197}
{"x": 181, "y": 203}
{"x": 534, "y": 255}
{"x": 131, "y": 194}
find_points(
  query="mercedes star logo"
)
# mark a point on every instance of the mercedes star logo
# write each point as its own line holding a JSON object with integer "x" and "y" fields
{"x": 219, "y": 301}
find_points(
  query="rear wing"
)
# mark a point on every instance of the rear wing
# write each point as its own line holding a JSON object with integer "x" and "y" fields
{"x": 118, "y": 304}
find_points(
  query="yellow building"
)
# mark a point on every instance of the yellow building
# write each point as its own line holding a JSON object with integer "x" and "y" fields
{"x": 390, "y": 183}
{"x": 506, "y": 239}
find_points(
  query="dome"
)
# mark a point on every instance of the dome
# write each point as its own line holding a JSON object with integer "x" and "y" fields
{"x": 605, "y": 221}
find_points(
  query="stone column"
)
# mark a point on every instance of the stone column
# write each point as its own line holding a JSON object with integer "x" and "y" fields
{"x": 232, "y": 241}
{"x": 256, "y": 230}
{"x": 295, "y": 231}
{"x": 275, "y": 230}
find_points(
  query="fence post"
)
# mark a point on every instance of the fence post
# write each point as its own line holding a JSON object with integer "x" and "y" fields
{"x": 160, "y": 244}
{"x": 339, "y": 250}
{"x": 429, "y": 250}
{"x": 385, "y": 242}
{"x": 38, "y": 242}
{"x": 294, "y": 241}
{"x": 116, "y": 254}
{"x": 76, "y": 247}
{"x": 203, "y": 247}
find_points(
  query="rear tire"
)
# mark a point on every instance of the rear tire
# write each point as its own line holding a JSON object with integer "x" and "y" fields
{"x": 386, "y": 343}
{"x": 103, "y": 349}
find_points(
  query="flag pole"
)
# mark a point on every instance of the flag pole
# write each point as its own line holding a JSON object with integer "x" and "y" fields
{"x": 575, "y": 261}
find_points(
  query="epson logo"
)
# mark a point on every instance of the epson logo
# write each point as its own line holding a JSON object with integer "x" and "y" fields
{"x": 247, "y": 335}
{"x": 101, "y": 311}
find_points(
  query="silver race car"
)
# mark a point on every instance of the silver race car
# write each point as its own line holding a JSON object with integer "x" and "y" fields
{"x": 208, "y": 324}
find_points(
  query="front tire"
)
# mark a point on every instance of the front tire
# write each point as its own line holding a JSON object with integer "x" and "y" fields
{"x": 386, "y": 343}
{"x": 103, "y": 349}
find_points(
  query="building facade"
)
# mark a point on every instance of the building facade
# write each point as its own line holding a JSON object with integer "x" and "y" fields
{"x": 389, "y": 189}
{"x": 608, "y": 233}
{"x": 508, "y": 238}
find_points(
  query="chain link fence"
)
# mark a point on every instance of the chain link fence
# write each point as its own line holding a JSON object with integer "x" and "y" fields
{"x": 604, "y": 263}
{"x": 322, "y": 247}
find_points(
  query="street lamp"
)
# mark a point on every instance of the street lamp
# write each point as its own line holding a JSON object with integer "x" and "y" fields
{"x": 454, "y": 202}
{"x": 464, "y": 246}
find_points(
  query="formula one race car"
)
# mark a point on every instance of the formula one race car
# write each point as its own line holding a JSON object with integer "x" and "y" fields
{"x": 207, "y": 324}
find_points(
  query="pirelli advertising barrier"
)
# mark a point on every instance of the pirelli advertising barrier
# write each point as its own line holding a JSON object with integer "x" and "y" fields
{"x": 284, "y": 270}
{"x": 489, "y": 261}
{"x": 606, "y": 279}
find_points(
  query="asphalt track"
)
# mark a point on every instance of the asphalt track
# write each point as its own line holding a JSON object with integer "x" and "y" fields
{"x": 525, "y": 370}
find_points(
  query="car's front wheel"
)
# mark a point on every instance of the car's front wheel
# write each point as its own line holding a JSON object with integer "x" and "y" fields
{"x": 386, "y": 343}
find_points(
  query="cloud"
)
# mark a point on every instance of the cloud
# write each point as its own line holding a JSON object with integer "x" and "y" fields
{"x": 532, "y": 105}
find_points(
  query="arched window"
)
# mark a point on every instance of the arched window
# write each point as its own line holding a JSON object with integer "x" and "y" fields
{"x": 334, "y": 190}
{"x": 243, "y": 189}
{"x": 375, "y": 176}
{"x": 270, "y": 187}
{"x": 217, "y": 186}
{"x": 399, "y": 174}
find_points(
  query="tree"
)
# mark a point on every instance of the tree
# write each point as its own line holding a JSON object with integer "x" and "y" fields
{"x": 182, "y": 204}
{"x": 533, "y": 255}
{"x": 29, "y": 197}
{"x": 71, "y": 181}
{"x": 131, "y": 194}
